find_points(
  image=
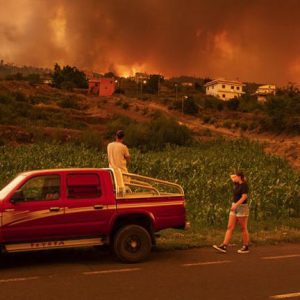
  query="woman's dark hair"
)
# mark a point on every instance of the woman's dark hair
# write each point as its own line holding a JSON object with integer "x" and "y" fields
{"x": 120, "y": 134}
{"x": 241, "y": 174}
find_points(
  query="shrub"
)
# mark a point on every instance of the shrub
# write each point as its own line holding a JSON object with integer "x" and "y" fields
{"x": 67, "y": 85}
{"x": 91, "y": 139}
{"x": 249, "y": 103}
{"x": 188, "y": 105}
{"x": 283, "y": 112}
{"x": 214, "y": 103}
{"x": 206, "y": 132}
{"x": 16, "y": 76}
{"x": 6, "y": 98}
{"x": 165, "y": 131}
{"x": 20, "y": 97}
{"x": 237, "y": 124}
{"x": 125, "y": 105}
{"x": 244, "y": 126}
{"x": 137, "y": 136}
{"x": 34, "y": 78}
{"x": 145, "y": 111}
{"x": 69, "y": 102}
{"x": 253, "y": 125}
{"x": 39, "y": 99}
{"x": 119, "y": 102}
{"x": 206, "y": 119}
{"x": 212, "y": 120}
{"x": 3, "y": 141}
{"x": 227, "y": 124}
{"x": 233, "y": 104}
{"x": 117, "y": 123}
{"x": 153, "y": 135}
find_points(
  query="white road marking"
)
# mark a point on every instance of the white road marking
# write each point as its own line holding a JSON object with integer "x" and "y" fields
{"x": 286, "y": 296}
{"x": 111, "y": 271}
{"x": 281, "y": 256}
{"x": 205, "y": 263}
{"x": 18, "y": 279}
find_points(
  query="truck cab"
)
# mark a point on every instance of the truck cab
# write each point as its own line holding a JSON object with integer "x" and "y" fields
{"x": 62, "y": 208}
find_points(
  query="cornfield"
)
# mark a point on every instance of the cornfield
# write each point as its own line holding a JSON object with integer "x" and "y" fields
{"x": 202, "y": 170}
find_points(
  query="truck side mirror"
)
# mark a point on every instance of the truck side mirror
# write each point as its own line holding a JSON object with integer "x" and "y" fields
{"x": 17, "y": 197}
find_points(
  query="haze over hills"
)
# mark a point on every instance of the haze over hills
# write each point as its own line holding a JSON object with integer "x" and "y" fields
{"x": 250, "y": 40}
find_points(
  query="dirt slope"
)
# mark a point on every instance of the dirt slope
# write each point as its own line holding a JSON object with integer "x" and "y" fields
{"x": 142, "y": 111}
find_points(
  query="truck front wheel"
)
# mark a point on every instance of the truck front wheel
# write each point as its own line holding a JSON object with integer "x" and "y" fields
{"x": 132, "y": 243}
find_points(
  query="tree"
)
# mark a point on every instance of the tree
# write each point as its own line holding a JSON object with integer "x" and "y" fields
{"x": 199, "y": 86}
{"x": 233, "y": 104}
{"x": 190, "y": 106}
{"x": 284, "y": 112}
{"x": 68, "y": 76}
{"x": 153, "y": 83}
{"x": 110, "y": 75}
{"x": 290, "y": 90}
{"x": 16, "y": 76}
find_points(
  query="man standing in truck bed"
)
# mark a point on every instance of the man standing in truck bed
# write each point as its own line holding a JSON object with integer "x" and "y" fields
{"x": 118, "y": 153}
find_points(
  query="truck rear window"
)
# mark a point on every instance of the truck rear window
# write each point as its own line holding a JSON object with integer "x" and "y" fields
{"x": 83, "y": 186}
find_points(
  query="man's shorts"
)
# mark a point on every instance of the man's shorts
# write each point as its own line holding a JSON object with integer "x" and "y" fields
{"x": 241, "y": 211}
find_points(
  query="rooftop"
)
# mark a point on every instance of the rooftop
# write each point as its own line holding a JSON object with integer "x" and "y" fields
{"x": 225, "y": 81}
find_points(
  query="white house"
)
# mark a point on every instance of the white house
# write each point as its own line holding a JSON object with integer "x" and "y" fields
{"x": 263, "y": 91}
{"x": 224, "y": 89}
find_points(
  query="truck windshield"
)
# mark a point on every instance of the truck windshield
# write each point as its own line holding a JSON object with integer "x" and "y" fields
{"x": 6, "y": 190}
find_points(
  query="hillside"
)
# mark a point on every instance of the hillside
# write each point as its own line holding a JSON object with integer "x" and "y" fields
{"x": 41, "y": 113}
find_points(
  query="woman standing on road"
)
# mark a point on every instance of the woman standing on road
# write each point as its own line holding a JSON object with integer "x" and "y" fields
{"x": 239, "y": 212}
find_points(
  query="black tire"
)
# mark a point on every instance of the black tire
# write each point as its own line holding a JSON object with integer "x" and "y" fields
{"x": 132, "y": 244}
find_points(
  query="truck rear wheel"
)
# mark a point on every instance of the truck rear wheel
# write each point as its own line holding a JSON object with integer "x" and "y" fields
{"x": 132, "y": 243}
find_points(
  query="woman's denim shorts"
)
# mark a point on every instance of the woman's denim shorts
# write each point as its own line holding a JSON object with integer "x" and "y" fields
{"x": 241, "y": 211}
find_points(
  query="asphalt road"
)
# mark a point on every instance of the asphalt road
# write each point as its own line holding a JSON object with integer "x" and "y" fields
{"x": 268, "y": 272}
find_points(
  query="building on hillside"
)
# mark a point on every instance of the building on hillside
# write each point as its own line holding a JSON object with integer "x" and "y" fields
{"x": 265, "y": 90}
{"x": 224, "y": 89}
{"x": 48, "y": 81}
{"x": 102, "y": 86}
{"x": 187, "y": 84}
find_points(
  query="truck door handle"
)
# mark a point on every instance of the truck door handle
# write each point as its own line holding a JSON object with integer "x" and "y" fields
{"x": 54, "y": 209}
{"x": 98, "y": 206}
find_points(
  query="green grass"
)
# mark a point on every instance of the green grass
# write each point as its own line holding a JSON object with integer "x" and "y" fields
{"x": 207, "y": 236}
{"x": 203, "y": 171}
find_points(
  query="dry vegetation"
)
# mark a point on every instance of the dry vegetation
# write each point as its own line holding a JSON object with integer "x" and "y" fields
{"x": 33, "y": 113}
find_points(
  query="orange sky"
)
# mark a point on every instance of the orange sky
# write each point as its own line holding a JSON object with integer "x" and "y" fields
{"x": 255, "y": 40}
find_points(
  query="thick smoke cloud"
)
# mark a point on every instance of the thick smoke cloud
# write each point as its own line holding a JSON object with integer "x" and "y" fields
{"x": 254, "y": 40}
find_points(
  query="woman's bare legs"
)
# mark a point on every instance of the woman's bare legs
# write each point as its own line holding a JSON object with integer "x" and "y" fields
{"x": 230, "y": 228}
{"x": 243, "y": 221}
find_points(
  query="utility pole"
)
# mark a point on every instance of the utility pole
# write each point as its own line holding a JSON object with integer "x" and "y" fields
{"x": 182, "y": 103}
{"x": 143, "y": 82}
{"x": 141, "y": 88}
{"x": 158, "y": 85}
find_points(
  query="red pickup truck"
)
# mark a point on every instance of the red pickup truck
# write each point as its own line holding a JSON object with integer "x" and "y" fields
{"x": 63, "y": 208}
